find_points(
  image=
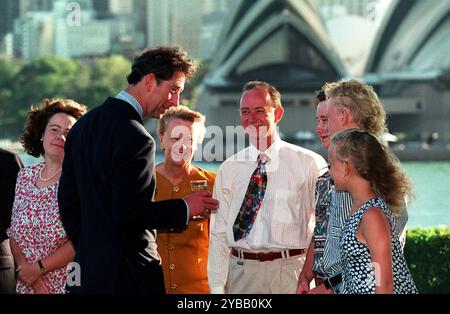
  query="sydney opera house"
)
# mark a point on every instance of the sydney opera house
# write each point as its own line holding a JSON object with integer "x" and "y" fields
{"x": 285, "y": 42}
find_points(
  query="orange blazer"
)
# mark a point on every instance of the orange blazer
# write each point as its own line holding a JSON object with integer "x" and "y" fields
{"x": 184, "y": 254}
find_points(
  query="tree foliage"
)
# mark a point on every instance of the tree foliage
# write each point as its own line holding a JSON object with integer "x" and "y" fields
{"x": 25, "y": 84}
{"x": 108, "y": 76}
{"x": 8, "y": 71}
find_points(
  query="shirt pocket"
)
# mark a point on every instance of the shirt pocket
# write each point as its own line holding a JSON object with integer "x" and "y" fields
{"x": 336, "y": 232}
{"x": 284, "y": 226}
{"x": 285, "y": 206}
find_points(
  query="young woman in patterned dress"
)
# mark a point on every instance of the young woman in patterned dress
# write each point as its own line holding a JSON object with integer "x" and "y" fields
{"x": 38, "y": 241}
{"x": 371, "y": 254}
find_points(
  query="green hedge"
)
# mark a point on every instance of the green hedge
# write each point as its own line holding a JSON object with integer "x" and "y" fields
{"x": 427, "y": 252}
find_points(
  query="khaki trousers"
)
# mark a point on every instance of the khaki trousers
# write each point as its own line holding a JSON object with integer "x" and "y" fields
{"x": 279, "y": 276}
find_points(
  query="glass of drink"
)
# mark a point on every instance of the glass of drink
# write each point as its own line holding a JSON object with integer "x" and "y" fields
{"x": 198, "y": 185}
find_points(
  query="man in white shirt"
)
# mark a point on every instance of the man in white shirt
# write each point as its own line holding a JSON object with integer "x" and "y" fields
{"x": 271, "y": 252}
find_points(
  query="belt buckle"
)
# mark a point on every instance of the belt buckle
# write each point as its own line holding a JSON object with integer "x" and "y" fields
{"x": 260, "y": 257}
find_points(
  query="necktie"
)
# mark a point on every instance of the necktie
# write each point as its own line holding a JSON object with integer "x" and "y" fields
{"x": 252, "y": 200}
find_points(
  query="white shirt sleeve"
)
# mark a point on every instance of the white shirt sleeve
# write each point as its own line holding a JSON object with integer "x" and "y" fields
{"x": 219, "y": 252}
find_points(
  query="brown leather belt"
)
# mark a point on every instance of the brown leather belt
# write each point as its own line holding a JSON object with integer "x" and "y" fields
{"x": 269, "y": 256}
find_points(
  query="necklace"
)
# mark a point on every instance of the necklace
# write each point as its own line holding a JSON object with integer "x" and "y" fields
{"x": 52, "y": 176}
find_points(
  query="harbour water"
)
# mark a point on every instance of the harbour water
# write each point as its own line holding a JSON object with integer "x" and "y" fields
{"x": 431, "y": 183}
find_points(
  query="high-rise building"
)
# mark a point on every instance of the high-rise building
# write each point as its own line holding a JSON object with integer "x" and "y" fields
{"x": 140, "y": 9}
{"x": 34, "y": 35}
{"x": 210, "y": 6}
{"x": 186, "y": 25}
{"x": 159, "y": 16}
{"x": 101, "y": 9}
{"x": 34, "y": 6}
{"x": 121, "y": 6}
{"x": 8, "y": 13}
{"x": 7, "y": 46}
{"x": 89, "y": 39}
{"x": 55, "y": 33}
{"x": 100, "y": 5}
{"x": 128, "y": 25}
{"x": 193, "y": 25}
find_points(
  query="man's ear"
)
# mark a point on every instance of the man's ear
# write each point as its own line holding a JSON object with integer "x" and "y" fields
{"x": 149, "y": 81}
{"x": 160, "y": 136}
{"x": 346, "y": 117}
{"x": 279, "y": 111}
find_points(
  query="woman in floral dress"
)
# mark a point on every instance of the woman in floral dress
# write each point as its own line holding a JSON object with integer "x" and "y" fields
{"x": 38, "y": 241}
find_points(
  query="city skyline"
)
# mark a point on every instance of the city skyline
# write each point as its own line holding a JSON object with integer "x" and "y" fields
{"x": 30, "y": 28}
{"x": 73, "y": 29}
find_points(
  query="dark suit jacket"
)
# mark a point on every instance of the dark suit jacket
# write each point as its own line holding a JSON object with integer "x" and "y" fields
{"x": 106, "y": 202}
{"x": 10, "y": 164}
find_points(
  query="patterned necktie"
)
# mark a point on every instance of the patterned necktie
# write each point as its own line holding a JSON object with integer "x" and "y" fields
{"x": 252, "y": 200}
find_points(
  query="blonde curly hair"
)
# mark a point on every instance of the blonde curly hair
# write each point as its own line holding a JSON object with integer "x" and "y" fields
{"x": 362, "y": 101}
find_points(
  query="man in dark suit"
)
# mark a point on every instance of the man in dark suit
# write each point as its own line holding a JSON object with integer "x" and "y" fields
{"x": 10, "y": 164}
{"x": 108, "y": 182}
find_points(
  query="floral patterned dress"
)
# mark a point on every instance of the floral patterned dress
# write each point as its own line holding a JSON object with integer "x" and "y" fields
{"x": 36, "y": 226}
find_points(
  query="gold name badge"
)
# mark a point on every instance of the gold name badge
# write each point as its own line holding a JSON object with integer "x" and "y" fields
{"x": 199, "y": 185}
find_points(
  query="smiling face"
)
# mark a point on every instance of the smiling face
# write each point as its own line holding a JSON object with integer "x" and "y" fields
{"x": 179, "y": 141}
{"x": 54, "y": 137}
{"x": 322, "y": 124}
{"x": 259, "y": 118}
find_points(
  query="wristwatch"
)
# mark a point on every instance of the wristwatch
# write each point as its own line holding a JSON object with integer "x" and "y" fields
{"x": 41, "y": 266}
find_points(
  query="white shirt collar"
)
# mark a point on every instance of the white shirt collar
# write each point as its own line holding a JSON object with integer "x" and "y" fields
{"x": 272, "y": 152}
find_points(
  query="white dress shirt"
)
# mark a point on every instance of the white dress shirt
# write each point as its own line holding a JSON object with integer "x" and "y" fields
{"x": 286, "y": 217}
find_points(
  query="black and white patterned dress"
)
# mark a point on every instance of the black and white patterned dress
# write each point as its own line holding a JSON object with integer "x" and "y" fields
{"x": 358, "y": 272}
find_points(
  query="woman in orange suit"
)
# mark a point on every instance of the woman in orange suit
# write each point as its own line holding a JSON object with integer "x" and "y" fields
{"x": 184, "y": 253}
